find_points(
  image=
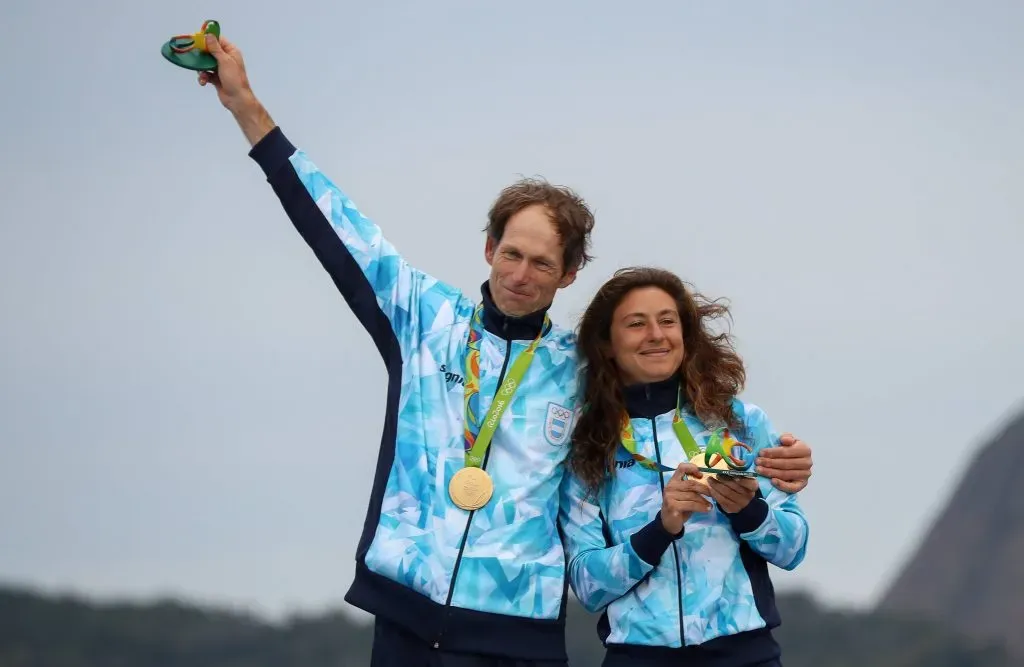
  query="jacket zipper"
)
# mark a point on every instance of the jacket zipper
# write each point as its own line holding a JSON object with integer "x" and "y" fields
{"x": 472, "y": 513}
{"x": 675, "y": 549}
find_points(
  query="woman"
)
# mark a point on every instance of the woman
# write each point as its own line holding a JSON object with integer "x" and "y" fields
{"x": 677, "y": 559}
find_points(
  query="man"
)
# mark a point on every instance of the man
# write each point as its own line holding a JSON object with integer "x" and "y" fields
{"x": 460, "y": 559}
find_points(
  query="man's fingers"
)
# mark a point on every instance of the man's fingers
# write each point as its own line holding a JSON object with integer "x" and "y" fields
{"x": 785, "y": 464}
{"x": 223, "y": 50}
{"x": 214, "y": 46}
{"x": 229, "y": 49}
{"x": 789, "y": 487}
{"x": 792, "y": 460}
{"x": 796, "y": 450}
{"x": 791, "y": 463}
{"x": 209, "y": 77}
{"x": 785, "y": 475}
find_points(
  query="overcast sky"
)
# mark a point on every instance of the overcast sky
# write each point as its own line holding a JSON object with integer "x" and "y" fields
{"x": 188, "y": 407}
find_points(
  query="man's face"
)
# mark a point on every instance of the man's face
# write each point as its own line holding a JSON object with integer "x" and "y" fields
{"x": 526, "y": 265}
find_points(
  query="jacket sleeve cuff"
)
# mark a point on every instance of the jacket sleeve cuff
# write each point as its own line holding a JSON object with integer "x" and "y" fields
{"x": 272, "y": 151}
{"x": 750, "y": 517}
{"x": 651, "y": 541}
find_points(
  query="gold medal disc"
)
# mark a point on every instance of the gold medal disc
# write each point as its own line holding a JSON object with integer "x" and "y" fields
{"x": 470, "y": 488}
{"x": 698, "y": 460}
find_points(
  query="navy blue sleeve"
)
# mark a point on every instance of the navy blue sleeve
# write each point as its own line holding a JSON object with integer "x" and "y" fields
{"x": 651, "y": 541}
{"x": 394, "y": 301}
{"x": 751, "y": 516}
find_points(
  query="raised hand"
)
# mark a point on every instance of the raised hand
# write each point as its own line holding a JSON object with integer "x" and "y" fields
{"x": 234, "y": 91}
{"x": 230, "y": 79}
{"x": 682, "y": 497}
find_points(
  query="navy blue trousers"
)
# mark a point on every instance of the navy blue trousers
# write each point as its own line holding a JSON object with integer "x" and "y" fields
{"x": 620, "y": 658}
{"x": 756, "y": 648}
{"x": 393, "y": 646}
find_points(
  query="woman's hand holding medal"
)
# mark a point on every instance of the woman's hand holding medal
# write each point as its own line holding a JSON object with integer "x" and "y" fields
{"x": 732, "y": 494}
{"x": 684, "y": 495}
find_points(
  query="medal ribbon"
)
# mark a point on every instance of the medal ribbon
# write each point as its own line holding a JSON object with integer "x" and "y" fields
{"x": 477, "y": 438}
{"x": 719, "y": 444}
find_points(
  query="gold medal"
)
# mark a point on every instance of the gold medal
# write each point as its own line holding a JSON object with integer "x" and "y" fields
{"x": 470, "y": 488}
{"x": 698, "y": 460}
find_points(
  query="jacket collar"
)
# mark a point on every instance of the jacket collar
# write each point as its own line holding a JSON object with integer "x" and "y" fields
{"x": 652, "y": 399}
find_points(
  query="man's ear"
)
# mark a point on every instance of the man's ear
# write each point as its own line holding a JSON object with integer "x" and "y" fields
{"x": 489, "y": 248}
{"x": 568, "y": 279}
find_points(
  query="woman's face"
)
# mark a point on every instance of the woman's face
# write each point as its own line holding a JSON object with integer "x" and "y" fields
{"x": 647, "y": 336}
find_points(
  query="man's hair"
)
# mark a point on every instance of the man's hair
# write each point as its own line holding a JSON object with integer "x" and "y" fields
{"x": 712, "y": 373}
{"x": 567, "y": 210}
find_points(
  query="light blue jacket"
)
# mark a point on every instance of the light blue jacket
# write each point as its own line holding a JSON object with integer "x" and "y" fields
{"x": 491, "y": 580}
{"x": 710, "y": 583}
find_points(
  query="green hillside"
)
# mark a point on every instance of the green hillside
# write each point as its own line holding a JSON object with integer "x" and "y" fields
{"x": 39, "y": 631}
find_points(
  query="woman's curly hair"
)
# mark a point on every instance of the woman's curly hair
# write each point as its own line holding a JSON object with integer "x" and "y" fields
{"x": 712, "y": 372}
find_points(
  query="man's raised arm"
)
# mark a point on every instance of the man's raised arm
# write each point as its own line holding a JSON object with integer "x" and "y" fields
{"x": 394, "y": 302}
